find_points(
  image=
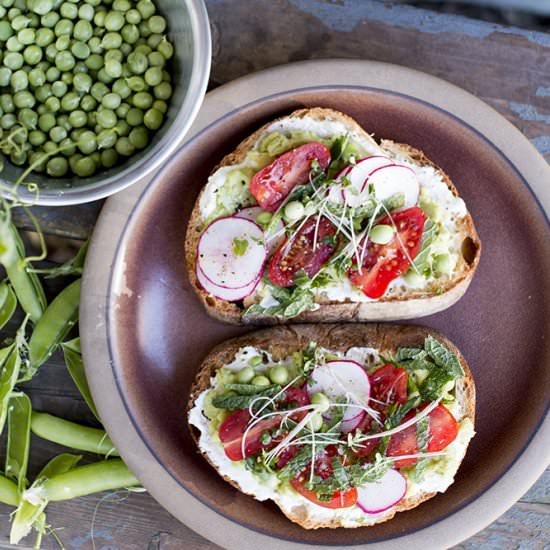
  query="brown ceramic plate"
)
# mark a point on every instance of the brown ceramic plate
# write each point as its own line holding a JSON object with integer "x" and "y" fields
{"x": 145, "y": 333}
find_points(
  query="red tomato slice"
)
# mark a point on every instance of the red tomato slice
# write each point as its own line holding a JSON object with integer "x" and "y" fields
{"x": 299, "y": 254}
{"x": 339, "y": 499}
{"x": 443, "y": 431}
{"x": 384, "y": 263}
{"x": 389, "y": 385}
{"x": 272, "y": 184}
{"x": 231, "y": 433}
{"x": 297, "y": 397}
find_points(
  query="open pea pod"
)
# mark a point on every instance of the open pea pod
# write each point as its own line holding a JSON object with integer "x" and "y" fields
{"x": 8, "y": 303}
{"x": 54, "y": 325}
{"x": 10, "y": 365}
{"x": 19, "y": 429}
{"x": 75, "y": 366}
{"x": 30, "y": 512}
{"x": 27, "y": 286}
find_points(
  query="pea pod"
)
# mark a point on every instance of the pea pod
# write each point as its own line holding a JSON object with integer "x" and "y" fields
{"x": 54, "y": 325}
{"x": 26, "y": 285}
{"x": 8, "y": 303}
{"x": 71, "y": 435}
{"x": 9, "y": 493}
{"x": 29, "y": 514}
{"x": 75, "y": 366}
{"x": 19, "y": 429}
{"x": 10, "y": 363}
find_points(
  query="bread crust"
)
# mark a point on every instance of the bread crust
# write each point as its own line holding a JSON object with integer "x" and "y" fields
{"x": 281, "y": 341}
{"x": 416, "y": 303}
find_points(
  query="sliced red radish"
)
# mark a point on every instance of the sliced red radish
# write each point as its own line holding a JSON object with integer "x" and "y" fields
{"x": 274, "y": 237}
{"x": 228, "y": 294}
{"x": 379, "y": 496}
{"x": 347, "y": 378}
{"x": 356, "y": 192}
{"x": 231, "y": 252}
{"x": 390, "y": 180}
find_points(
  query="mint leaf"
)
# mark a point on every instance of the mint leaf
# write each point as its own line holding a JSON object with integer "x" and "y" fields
{"x": 432, "y": 387}
{"x": 442, "y": 357}
{"x": 422, "y": 260}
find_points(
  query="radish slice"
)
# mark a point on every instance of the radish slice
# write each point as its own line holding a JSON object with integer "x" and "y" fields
{"x": 228, "y": 294}
{"x": 389, "y": 180}
{"x": 343, "y": 378}
{"x": 217, "y": 257}
{"x": 381, "y": 495}
{"x": 357, "y": 192}
{"x": 274, "y": 237}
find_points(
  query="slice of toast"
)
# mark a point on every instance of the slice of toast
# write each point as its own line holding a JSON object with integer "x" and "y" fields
{"x": 281, "y": 342}
{"x": 406, "y": 303}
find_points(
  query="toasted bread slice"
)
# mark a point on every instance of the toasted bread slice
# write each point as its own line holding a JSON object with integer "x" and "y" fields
{"x": 281, "y": 342}
{"x": 405, "y": 302}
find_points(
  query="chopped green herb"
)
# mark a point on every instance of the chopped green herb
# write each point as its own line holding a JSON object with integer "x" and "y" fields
{"x": 240, "y": 246}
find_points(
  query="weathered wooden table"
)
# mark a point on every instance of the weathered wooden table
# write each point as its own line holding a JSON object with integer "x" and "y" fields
{"x": 507, "y": 67}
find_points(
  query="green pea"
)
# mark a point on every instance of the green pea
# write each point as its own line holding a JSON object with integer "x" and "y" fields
{"x": 263, "y": 218}
{"x": 87, "y": 143}
{"x": 7, "y": 121}
{"x": 321, "y": 400}
{"x": 13, "y": 60}
{"x": 88, "y": 103}
{"x": 36, "y": 77}
{"x": 68, "y": 10}
{"x": 443, "y": 263}
{"x": 114, "y": 21}
{"x": 279, "y": 375}
{"x": 50, "y": 147}
{"x": 157, "y": 24}
{"x": 32, "y": 55}
{"x": 122, "y": 110}
{"x": 121, "y": 5}
{"x": 5, "y": 76}
{"x": 26, "y": 36}
{"x": 130, "y": 33}
{"x": 57, "y": 167}
{"x": 113, "y": 68}
{"x": 13, "y": 44}
{"x": 163, "y": 91}
{"x": 114, "y": 54}
{"x": 133, "y": 16}
{"x": 6, "y": 102}
{"x": 160, "y": 106}
{"x": 124, "y": 146}
{"x": 244, "y": 376}
{"x": 121, "y": 88}
{"x": 59, "y": 88}
{"x": 46, "y": 122}
{"x": 106, "y": 118}
{"x": 65, "y": 61}
{"x": 63, "y": 121}
{"x": 109, "y": 157}
{"x": 138, "y": 62}
{"x": 67, "y": 147}
{"x": 134, "y": 117}
{"x": 104, "y": 77}
{"x": 294, "y": 210}
{"x": 82, "y": 82}
{"x": 53, "y": 104}
{"x": 49, "y": 19}
{"x": 24, "y": 99}
{"x": 41, "y": 7}
{"x": 136, "y": 84}
{"x": 154, "y": 40}
{"x": 156, "y": 59}
{"x": 51, "y": 52}
{"x": 95, "y": 45}
{"x": 53, "y": 74}
{"x": 94, "y": 62}
{"x": 126, "y": 50}
{"x": 19, "y": 81}
{"x": 142, "y": 100}
{"x": 28, "y": 118}
{"x": 44, "y": 37}
{"x": 98, "y": 90}
{"x": 43, "y": 92}
{"x": 143, "y": 48}
{"x": 38, "y": 161}
{"x": 144, "y": 29}
{"x": 315, "y": 422}
{"x": 111, "y": 41}
{"x": 63, "y": 43}
{"x": 63, "y": 26}
{"x": 5, "y": 30}
{"x": 73, "y": 159}
{"x": 86, "y": 12}
{"x": 122, "y": 128}
{"x": 70, "y": 102}
{"x": 381, "y": 234}
{"x": 37, "y": 138}
{"x": 166, "y": 49}
{"x": 153, "y": 76}
{"x": 106, "y": 139}
{"x": 99, "y": 18}
{"x": 78, "y": 118}
{"x": 84, "y": 167}
{"x": 20, "y": 22}
{"x": 57, "y": 134}
{"x": 80, "y": 50}
{"x": 261, "y": 380}
{"x": 139, "y": 137}
{"x": 414, "y": 279}
{"x": 67, "y": 78}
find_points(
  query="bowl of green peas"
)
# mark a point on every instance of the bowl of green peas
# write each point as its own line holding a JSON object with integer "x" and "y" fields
{"x": 96, "y": 94}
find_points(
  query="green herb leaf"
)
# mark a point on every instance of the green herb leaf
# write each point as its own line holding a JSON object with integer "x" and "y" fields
{"x": 240, "y": 246}
{"x": 432, "y": 387}
{"x": 422, "y": 260}
{"x": 340, "y": 474}
{"x": 406, "y": 354}
{"x": 296, "y": 464}
{"x": 443, "y": 357}
{"x": 359, "y": 474}
{"x": 250, "y": 389}
{"x": 232, "y": 402}
{"x": 422, "y": 440}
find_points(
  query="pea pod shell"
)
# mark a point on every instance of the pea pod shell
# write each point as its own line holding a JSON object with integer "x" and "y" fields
{"x": 106, "y": 475}
{"x": 8, "y": 303}
{"x": 10, "y": 363}
{"x": 54, "y": 325}
{"x": 9, "y": 493}
{"x": 19, "y": 429}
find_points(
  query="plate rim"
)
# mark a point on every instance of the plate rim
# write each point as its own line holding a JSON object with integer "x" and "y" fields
{"x": 430, "y": 88}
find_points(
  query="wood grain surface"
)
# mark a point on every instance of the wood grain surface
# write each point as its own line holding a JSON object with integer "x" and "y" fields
{"x": 509, "y": 68}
